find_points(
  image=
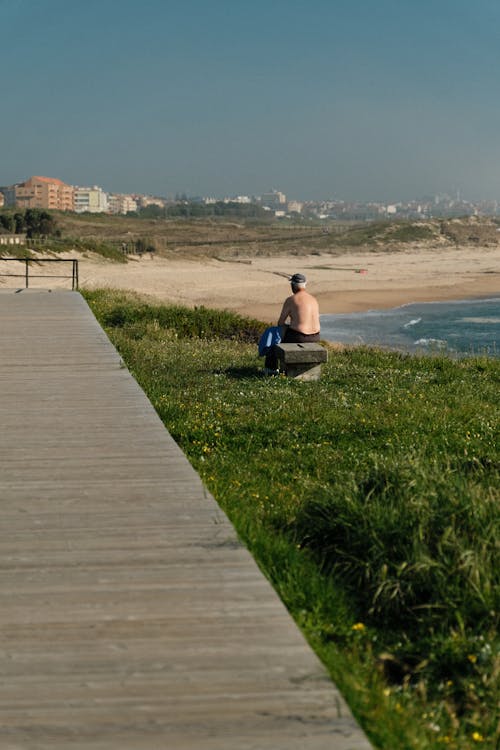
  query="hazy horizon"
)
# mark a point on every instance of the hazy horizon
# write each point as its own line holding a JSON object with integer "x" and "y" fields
{"x": 355, "y": 101}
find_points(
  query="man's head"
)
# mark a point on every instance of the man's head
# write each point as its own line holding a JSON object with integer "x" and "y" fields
{"x": 298, "y": 281}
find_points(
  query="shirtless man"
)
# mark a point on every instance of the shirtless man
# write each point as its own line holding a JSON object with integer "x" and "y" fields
{"x": 302, "y": 311}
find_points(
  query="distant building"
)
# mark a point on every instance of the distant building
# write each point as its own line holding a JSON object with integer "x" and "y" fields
{"x": 273, "y": 199}
{"x": 9, "y": 195}
{"x": 295, "y": 207}
{"x": 44, "y": 192}
{"x": 90, "y": 200}
{"x": 2, "y": 200}
{"x": 238, "y": 199}
{"x": 121, "y": 204}
{"x": 12, "y": 239}
{"x": 143, "y": 201}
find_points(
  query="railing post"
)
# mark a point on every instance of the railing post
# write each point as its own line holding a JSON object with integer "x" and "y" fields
{"x": 75, "y": 283}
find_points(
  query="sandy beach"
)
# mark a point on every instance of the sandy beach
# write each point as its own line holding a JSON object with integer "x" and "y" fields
{"x": 257, "y": 286}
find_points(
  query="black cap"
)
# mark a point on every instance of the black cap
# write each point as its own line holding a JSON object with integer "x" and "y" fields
{"x": 298, "y": 278}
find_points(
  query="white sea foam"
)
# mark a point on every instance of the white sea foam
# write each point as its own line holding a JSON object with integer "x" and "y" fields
{"x": 412, "y": 322}
{"x": 480, "y": 321}
{"x": 438, "y": 343}
{"x": 461, "y": 327}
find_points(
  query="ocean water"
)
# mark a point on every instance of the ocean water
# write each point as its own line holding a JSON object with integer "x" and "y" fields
{"x": 458, "y": 328}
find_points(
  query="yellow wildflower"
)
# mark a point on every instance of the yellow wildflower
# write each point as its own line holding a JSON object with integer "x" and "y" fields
{"x": 477, "y": 737}
{"x": 358, "y": 626}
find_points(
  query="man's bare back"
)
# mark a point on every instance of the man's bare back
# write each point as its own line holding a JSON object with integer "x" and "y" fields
{"x": 302, "y": 311}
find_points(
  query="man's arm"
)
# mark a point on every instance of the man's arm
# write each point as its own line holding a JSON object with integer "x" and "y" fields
{"x": 285, "y": 312}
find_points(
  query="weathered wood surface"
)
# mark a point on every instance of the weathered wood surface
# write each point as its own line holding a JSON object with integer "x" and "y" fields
{"x": 131, "y": 618}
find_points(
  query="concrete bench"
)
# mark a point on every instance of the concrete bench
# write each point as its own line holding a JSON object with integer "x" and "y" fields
{"x": 301, "y": 361}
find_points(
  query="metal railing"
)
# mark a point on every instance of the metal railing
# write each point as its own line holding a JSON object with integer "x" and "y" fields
{"x": 28, "y": 261}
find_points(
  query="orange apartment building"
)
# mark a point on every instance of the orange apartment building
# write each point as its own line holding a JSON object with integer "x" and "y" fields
{"x": 45, "y": 192}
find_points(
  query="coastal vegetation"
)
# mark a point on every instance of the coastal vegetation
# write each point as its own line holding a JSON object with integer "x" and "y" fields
{"x": 247, "y": 235}
{"x": 42, "y": 231}
{"x": 196, "y": 209}
{"x": 32, "y": 222}
{"x": 369, "y": 499}
{"x": 232, "y": 231}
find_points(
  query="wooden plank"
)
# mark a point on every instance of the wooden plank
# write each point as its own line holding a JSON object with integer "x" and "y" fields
{"x": 131, "y": 617}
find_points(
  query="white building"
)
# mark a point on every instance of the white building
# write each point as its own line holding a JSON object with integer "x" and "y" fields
{"x": 143, "y": 201}
{"x": 295, "y": 207}
{"x": 91, "y": 200}
{"x": 273, "y": 199}
{"x": 121, "y": 204}
{"x": 238, "y": 199}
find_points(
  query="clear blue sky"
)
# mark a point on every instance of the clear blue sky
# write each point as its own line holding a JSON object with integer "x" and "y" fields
{"x": 353, "y": 99}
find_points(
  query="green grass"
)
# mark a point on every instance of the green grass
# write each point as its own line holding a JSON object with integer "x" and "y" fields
{"x": 412, "y": 232}
{"x": 14, "y": 251}
{"x": 107, "y": 250}
{"x": 369, "y": 498}
{"x": 386, "y": 233}
{"x": 100, "y": 247}
{"x": 55, "y": 246}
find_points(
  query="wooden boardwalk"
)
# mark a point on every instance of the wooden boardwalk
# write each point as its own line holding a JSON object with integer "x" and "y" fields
{"x": 130, "y": 616}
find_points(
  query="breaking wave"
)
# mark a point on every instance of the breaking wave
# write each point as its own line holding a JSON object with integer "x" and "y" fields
{"x": 461, "y": 327}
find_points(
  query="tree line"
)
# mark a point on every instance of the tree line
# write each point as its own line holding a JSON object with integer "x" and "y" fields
{"x": 194, "y": 209}
{"x": 33, "y": 222}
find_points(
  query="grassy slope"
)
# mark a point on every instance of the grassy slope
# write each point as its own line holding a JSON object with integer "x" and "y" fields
{"x": 370, "y": 499}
